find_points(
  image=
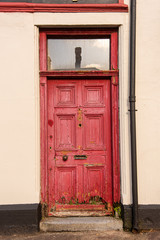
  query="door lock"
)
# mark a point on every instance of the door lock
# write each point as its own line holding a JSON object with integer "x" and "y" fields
{"x": 65, "y": 157}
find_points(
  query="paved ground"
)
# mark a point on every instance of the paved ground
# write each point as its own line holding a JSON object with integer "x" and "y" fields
{"x": 115, "y": 235}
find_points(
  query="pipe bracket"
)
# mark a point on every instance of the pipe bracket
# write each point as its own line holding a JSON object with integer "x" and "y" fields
{"x": 132, "y": 99}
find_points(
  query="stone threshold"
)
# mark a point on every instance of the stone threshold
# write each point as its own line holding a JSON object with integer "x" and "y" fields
{"x": 80, "y": 224}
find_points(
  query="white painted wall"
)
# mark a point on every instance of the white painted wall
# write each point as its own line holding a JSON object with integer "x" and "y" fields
{"x": 148, "y": 100}
{"x": 19, "y": 155}
{"x": 19, "y": 139}
{"x": 19, "y": 95}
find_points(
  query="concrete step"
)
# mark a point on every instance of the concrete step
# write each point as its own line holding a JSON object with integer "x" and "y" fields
{"x": 80, "y": 224}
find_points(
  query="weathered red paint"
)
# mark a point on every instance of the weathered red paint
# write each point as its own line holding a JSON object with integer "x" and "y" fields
{"x": 115, "y": 119}
{"x": 81, "y": 112}
{"x": 39, "y": 7}
{"x": 80, "y": 74}
{"x": 43, "y": 113}
{"x": 50, "y": 122}
{"x": 121, "y": 1}
{"x": 60, "y": 207}
{"x": 52, "y": 166}
{"x": 79, "y": 32}
{"x": 42, "y": 53}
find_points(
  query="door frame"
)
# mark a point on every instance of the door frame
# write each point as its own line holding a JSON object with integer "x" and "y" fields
{"x": 45, "y": 75}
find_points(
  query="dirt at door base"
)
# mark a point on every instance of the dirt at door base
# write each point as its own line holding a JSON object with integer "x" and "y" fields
{"x": 81, "y": 214}
{"x": 65, "y": 210}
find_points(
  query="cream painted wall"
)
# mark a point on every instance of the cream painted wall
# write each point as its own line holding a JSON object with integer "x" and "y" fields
{"x": 148, "y": 100}
{"x": 19, "y": 155}
{"x": 19, "y": 94}
{"x": 19, "y": 139}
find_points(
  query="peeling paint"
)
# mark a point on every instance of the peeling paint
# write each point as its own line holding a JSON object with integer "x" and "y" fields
{"x": 50, "y": 123}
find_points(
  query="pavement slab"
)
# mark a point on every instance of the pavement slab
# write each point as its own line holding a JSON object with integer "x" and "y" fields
{"x": 107, "y": 235}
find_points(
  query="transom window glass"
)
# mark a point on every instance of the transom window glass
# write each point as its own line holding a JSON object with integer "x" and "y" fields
{"x": 79, "y": 54}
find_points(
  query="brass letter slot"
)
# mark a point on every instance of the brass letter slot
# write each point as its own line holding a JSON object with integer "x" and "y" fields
{"x": 80, "y": 157}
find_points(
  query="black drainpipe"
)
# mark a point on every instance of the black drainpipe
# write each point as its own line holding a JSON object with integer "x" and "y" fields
{"x": 132, "y": 100}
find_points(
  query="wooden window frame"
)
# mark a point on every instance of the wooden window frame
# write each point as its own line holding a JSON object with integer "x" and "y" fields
{"x": 112, "y": 74}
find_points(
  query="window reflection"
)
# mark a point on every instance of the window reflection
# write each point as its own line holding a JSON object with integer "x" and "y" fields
{"x": 79, "y": 54}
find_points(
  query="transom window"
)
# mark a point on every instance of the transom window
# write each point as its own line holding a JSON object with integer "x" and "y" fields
{"x": 79, "y": 51}
{"x": 79, "y": 54}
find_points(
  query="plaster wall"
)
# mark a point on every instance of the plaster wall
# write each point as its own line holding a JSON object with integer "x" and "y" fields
{"x": 19, "y": 93}
{"x": 148, "y": 100}
{"x": 19, "y": 154}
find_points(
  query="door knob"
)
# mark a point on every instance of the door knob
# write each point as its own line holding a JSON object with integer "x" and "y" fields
{"x": 65, "y": 158}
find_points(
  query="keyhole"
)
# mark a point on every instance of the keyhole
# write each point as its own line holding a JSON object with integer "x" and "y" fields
{"x": 80, "y": 125}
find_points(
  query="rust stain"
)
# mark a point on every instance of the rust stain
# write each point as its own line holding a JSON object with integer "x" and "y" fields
{"x": 93, "y": 165}
{"x": 79, "y": 115}
{"x": 89, "y": 165}
{"x": 64, "y": 152}
{"x": 80, "y": 72}
{"x": 110, "y": 207}
{"x": 113, "y": 80}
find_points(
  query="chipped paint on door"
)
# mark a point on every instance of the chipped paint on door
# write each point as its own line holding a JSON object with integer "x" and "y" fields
{"x": 79, "y": 144}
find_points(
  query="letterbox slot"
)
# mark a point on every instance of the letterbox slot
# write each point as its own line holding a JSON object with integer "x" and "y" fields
{"x": 80, "y": 157}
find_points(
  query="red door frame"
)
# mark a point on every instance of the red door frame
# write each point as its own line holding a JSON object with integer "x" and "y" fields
{"x": 111, "y": 74}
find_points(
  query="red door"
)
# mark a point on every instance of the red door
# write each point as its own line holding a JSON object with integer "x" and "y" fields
{"x": 79, "y": 133}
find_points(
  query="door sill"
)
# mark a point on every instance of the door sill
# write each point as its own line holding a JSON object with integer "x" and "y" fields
{"x": 80, "y": 213}
{"x": 84, "y": 210}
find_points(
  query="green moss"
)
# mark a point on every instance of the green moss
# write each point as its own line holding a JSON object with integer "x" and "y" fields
{"x": 117, "y": 208}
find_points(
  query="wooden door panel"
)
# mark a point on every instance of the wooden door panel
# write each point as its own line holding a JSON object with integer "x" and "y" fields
{"x": 93, "y": 96}
{"x": 65, "y": 96}
{"x": 95, "y": 181}
{"x": 65, "y": 131}
{"x": 93, "y": 131}
{"x": 65, "y": 184}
